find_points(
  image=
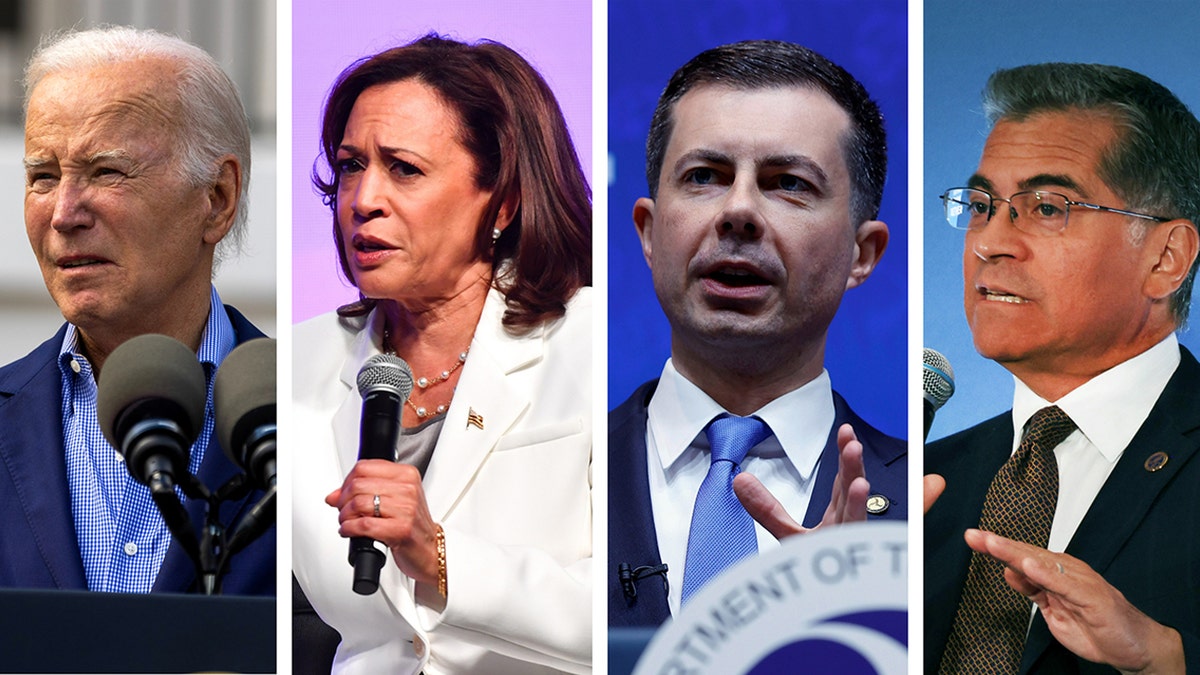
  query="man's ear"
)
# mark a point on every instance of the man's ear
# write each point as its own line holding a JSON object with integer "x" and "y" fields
{"x": 870, "y": 240}
{"x": 224, "y": 195}
{"x": 1174, "y": 245}
{"x": 643, "y": 220}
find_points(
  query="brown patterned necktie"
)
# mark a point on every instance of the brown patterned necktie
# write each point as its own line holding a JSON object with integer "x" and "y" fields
{"x": 992, "y": 619}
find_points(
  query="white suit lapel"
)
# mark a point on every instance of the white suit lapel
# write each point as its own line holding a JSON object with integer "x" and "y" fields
{"x": 486, "y": 404}
{"x": 346, "y": 420}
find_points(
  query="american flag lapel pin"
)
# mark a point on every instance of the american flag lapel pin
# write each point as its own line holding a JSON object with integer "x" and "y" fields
{"x": 474, "y": 419}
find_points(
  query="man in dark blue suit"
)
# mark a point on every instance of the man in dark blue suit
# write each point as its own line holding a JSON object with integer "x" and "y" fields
{"x": 1076, "y": 551}
{"x": 137, "y": 165}
{"x": 765, "y": 165}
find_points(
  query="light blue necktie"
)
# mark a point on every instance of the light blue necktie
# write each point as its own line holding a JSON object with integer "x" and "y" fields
{"x": 722, "y": 532}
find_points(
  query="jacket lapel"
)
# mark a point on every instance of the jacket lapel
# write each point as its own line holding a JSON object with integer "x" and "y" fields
{"x": 347, "y": 418}
{"x": 968, "y": 460}
{"x": 632, "y": 538}
{"x": 876, "y": 458}
{"x": 826, "y": 472}
{"x": 1129, "y": 492}
{"x": 487, "y": 403}
{"x": 34, "y": 468}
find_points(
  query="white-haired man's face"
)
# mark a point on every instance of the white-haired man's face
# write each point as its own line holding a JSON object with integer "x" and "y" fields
{"x": 124, "y": 240}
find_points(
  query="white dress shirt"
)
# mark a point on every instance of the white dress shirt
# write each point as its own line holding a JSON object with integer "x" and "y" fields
{"x": 678, "y": 458}
{"x": 1108, "y": 409}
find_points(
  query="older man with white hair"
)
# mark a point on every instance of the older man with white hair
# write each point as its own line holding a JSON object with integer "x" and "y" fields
{"x": 137, "y": 163}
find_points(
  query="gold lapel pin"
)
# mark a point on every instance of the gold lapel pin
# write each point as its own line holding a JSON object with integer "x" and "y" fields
{"x": 1156, "y": 461}
{"x": 474, "y": 419}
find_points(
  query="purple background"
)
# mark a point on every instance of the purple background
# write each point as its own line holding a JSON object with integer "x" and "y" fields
{"x": 553, "y": 35}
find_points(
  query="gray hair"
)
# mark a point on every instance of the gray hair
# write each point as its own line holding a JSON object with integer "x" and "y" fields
{"x": 1154, "y": 165}
{"x": 212, "y": 122}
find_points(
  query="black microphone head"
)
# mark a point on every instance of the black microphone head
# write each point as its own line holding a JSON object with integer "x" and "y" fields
{"x": 244, "y": 396}
{"x": 157, "y": 371}
{"x": 937, "y": 379}
{"x": 385, "y": 372}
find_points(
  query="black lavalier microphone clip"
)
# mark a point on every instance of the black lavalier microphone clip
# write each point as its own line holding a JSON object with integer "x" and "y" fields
{"x": 629, "y": 576}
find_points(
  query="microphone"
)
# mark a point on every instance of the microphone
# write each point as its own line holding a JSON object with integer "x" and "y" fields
{"x": 625, "y": 575}
{"x": 244, "y": 406}
{"x": 937, "y": 379}
{"x": 150, "y": 403}
{"x": 629, "y": 576}
{"x": 384, "y": 382}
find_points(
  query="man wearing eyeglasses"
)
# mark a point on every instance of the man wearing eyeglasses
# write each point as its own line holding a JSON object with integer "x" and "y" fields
{"x": 1081, "y": 505}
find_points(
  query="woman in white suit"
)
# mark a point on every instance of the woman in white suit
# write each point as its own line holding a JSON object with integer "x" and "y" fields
{"x": 463, "y": 217}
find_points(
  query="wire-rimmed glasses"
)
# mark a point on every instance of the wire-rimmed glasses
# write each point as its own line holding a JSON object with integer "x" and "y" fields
{"x": 1031, "y": 211}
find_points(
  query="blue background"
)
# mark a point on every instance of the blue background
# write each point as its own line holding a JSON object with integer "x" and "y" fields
{"x": 647, "y": 42}
{"x": 966, "y": 42}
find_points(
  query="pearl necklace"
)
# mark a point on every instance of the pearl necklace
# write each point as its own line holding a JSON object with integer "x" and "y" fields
{"x": 424, "y": 382}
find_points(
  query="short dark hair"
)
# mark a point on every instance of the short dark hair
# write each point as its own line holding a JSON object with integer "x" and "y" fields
{"x": 762, "y": 64}
{"x": 1154, "y": 165}
{"x": 512, "y": 126}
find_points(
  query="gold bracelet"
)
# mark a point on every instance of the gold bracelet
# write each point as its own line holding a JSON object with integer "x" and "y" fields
{"x": 441, "y": 553}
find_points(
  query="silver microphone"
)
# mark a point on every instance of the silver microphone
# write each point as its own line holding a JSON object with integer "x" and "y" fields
{"x": 937, "y": 380}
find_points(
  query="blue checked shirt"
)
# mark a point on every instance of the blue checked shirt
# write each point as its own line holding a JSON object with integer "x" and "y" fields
{"x": 122, "y": 536}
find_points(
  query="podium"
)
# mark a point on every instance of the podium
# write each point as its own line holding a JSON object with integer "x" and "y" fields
{"x": 50, "y": 631}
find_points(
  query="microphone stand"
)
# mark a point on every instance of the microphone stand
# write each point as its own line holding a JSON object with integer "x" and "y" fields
{"x": 162, "y": 490}
{"x": 210, "y": 553}
{"x": 212, "y": 537}
{"x": 253, "y": 523}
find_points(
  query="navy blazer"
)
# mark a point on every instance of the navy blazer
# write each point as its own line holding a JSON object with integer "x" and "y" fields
{"x": 631, "y": 535}
{"x": 40, "y": 548}
{"x": 1142, "y": 532}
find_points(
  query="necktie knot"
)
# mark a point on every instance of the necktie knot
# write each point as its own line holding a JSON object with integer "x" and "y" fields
{"x": 1048, "y": 427}
{"x": 731, "y": 437}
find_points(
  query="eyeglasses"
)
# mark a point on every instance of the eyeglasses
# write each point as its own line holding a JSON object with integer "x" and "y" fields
{"x": 1031, "y": 211}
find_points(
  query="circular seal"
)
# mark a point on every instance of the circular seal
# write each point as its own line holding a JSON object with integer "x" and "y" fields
{"x": 834, "y": 600}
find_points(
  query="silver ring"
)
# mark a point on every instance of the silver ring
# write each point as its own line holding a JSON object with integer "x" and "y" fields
{"x": 376, "y": 503}
{"x": 1060, "y": 568}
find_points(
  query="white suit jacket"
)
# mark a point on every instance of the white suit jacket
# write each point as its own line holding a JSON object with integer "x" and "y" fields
{"x": 514, "y": 499}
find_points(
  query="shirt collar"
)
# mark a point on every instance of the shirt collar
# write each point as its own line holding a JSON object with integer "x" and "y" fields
{"x": 800, "y": 420}
{"x": 1111, "y": 407}
{"x": 217, "y": 340}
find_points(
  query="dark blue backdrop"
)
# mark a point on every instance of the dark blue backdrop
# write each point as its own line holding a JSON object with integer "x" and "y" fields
{"x": 647, "y": 41}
